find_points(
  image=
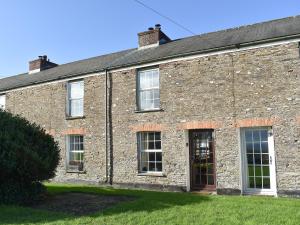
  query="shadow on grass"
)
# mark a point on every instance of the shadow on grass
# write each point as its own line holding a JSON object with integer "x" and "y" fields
{"x": 147, "y": 201}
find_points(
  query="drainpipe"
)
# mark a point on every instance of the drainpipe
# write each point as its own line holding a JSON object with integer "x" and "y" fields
{"x": 106, "y": 128}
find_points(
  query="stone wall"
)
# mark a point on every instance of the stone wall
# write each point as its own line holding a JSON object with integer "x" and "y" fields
{"x": 258, "y": 87}
{"x": 46, "y": 105}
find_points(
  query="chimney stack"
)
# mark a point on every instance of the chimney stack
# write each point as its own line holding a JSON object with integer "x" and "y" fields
{"x": 152, "y": 37}
{"x": 42, "y": 63}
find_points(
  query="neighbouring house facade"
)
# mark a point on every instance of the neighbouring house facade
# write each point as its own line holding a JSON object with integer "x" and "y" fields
{"x": 216, "y": 112}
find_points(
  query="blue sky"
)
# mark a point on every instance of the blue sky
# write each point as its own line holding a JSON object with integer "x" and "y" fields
{"x": 69, "y": 30}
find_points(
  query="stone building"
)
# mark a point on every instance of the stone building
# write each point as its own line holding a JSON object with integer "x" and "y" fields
{"x": 216, "y": 112}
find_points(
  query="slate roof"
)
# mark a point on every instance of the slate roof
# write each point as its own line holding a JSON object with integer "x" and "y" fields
{"x": 230, "y": 38}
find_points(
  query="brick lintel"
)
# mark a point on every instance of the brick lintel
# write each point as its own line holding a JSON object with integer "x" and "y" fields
{"x": 74, "y": 131}
{"x": 256, "y": 122}
{"x": 148, "y": 127}
{"x": 199, "y": 125}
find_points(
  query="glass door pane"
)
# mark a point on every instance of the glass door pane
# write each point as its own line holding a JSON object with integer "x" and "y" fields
{"x": 202, "y": 159}
{"x": 257, "y": 157}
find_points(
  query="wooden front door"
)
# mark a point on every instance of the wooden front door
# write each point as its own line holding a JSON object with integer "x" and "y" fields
{"x": 202, "y": 160}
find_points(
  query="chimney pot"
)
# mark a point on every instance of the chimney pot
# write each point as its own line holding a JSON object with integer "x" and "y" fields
{"x": 157, "y": 26}
{"x": 150, "y": 28}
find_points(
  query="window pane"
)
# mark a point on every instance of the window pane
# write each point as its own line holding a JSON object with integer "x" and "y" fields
{"x": 151, "y": 145}
{"x": 256, "y": 147}
{"x": 248, "y": 135}
{"x": 258, "y": 182}
{"x": 156, "y": 104}
{"x": 77, "y": 107}
{"x": 152, "y": 156}
{"x": 151, "y": 166}
{"x": 144, "y": 166}
{"x": 158, "y": 156}
{"x": 266, "y": 182}
{"x": 143, "y": 80}
{"x": 250, "y": 170}
{"x": 144, "y": 157}
{"x": 210, "y": 180}
{"x": 149, "y": 95}
{"x": 250, "y": 158}
{"x": 76, "y": 90}
{"x": 258, "y": 171}
{"x": 155, "y": 78}
{"x": 256, "y": 135}
{"x": 157, "y": 145}
{"x": 257, "y": 159}
{"x": 151, "y": 136}
{"x": 266, "y": 171}
{"x": 264, "y": 135}
{"x": 158, "y": 167}
{"x": 210, "y": 169}
{"x": 157, "y": 136}
{"x": 265, "y": 159}
{"x": 264, "y": 147}
{"x": 249, "y": 147}
{"x": 251, "y": 182}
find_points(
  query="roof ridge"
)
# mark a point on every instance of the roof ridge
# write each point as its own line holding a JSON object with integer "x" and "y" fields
{"x": 239, "y": 27}
{"x": 94, "y": 57}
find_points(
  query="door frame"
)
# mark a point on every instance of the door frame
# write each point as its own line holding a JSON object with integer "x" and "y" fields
{"x": 244, "y": 170}
{"x": 191, "y": 187}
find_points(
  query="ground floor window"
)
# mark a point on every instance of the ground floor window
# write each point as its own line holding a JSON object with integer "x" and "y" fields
{"x": 75, "y": 152}
{"x": 150, "y": 152}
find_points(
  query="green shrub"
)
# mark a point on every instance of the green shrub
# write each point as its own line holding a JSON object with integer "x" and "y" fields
{"x": 28, "y": 156}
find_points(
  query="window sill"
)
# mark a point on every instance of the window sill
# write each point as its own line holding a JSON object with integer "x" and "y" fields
{"x": 157, "y": 174}
{"x": 76, "y": 171}
{"x": 74, "y": 117}
{"x": 149, "y": 110}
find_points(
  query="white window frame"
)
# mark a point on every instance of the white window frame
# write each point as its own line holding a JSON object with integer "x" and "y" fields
{"x": 153, "y": 88}
{"x": 69, "y": 151}
{"x": 70, "y": 112}
{"x": 2, "y": 106}
{"x": 142, "y": 150}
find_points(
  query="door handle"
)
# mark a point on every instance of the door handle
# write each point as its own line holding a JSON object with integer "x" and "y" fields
{"x": 271, "y": 160}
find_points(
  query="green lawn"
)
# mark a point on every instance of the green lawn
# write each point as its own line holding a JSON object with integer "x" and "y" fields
{"x": 165, "y": 208}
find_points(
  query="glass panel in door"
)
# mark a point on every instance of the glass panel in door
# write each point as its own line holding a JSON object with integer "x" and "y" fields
{"x": 258, "y": 158}
{"x": 202, "y": 159}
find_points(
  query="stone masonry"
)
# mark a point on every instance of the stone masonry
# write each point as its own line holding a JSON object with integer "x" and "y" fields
{"x": 46, "y": 105}
{"x": 256, "y": 87}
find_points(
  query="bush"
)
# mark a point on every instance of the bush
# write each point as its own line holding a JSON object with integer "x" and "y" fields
{"x": 28, "y": 156}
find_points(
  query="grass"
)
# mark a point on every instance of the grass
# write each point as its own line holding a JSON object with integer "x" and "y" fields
{"x": 165, "y": 208}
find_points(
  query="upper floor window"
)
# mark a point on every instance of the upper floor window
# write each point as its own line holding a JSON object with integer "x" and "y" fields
{"x": 75, "y": 98}
{"x": 2, "y": 101}
{"x": 148, "y": 89}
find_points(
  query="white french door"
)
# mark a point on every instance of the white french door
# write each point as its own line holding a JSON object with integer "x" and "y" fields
{"x": 258, "y": 161}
